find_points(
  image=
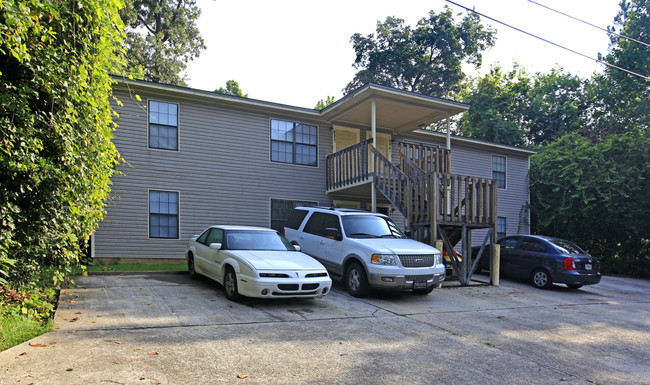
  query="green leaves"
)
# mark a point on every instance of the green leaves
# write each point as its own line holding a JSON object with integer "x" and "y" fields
{"x": 56, "y": 154}
{"x": 161, "y": 37}
{"x": 426, "y": 59}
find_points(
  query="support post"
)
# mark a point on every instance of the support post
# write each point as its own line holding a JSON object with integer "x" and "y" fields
{"x": 496, "y": 264}
{"x": 373, "y": 129}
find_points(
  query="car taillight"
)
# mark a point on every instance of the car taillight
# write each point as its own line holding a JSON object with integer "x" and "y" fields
{"x": 569, "y": 264}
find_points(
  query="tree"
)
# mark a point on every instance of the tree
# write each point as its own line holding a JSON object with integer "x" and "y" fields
{"x": 232, "y": 88}
{"x": 426, "y": 59}
{"x": 623, "y": 99}
{"x": 161, "y": 37}
{"x": 56, "y": 154}
{"x": 322, "y": 104}
{"x": 596, "y": 193}
{"x": 497, "y": 101}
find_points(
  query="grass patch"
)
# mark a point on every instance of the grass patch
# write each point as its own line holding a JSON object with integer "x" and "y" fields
{"x": 137, "y": 267}
{"x": 16, "y": 329}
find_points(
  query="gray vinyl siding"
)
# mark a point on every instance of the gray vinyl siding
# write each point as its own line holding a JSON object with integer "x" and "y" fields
{"x": 222, "y": 172}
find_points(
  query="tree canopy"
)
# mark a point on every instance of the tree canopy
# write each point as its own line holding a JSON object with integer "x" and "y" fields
{"x": 56, "y": 154}
{"x": 323, "y": 103}
{"x": 425, "y": 59}
{"x": 161, "y": 37}
{"x": 232, "y": 88}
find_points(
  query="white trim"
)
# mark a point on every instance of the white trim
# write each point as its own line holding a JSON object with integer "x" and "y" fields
{"x": 149, "y": 213}
{"x": 294, "y": 121}
{"x": 178, "y": 126}
{"x": 476, "y": 142}
{"x": 337, "y": 127}
{"x": 505, "y": 172}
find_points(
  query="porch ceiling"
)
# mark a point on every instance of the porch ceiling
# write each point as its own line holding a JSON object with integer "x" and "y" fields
{"x": 397, "y": 110}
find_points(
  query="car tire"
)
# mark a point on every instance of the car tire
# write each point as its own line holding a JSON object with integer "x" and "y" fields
{"x": 356, "y": 281}
{"x": 541, "y": 279}
{"x": 424, "y": 291}
{"x": 191, "y": 270}
{"x": 573, "y": 286}
{"x": 230, "y": 285}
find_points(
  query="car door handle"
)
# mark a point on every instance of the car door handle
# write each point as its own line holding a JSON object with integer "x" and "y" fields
{"x": 322, "y": 242}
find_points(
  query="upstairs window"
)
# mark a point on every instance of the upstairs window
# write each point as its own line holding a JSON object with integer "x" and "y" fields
{"x": 163, "y": 125}
{"x": 499, "y": 170}
{"x": 294, "y": 143}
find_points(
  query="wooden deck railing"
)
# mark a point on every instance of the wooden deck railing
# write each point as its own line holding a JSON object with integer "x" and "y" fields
{"x": 423, "y": 198}
{"x": 348, "y": 166}
{"x": 427, "y": 158}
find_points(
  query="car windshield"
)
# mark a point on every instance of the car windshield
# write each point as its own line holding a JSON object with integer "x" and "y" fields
{"x": 256, "y": 240}
{"x": 370, "y": 226}
{"x": 566, "y": 247}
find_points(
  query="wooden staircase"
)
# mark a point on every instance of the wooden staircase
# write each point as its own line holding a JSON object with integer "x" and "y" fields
{"x": 436, "y": 204}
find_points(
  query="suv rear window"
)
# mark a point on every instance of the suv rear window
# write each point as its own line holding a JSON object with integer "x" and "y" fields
{"x": 295, "y": 219}
{"x": 318, "y": 222}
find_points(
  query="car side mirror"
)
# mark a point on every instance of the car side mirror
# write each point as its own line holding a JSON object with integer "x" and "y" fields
{"x": 333, "y": 233}
{"x": 408, "y": 233}
{"x": 296, "y": 247}
{"x": 215, "y": 246}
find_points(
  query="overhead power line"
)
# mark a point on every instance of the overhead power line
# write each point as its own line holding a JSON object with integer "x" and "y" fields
{"x": 590, "y": 24}
{"x": 550, "y": 42}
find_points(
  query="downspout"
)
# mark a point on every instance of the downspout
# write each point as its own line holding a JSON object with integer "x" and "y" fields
{"x": 373, "y": 130}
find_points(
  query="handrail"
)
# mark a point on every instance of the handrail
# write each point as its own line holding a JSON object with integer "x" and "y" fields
{"x": 427, "y": 158}
{"x": 348, "y": 166}
{"x": 390, "y": 180}
{"x": 409, "y": 167}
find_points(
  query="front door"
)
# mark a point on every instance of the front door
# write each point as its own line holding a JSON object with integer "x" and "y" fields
{"x": 344, "y": 137}
{"x": 383, "y": 143}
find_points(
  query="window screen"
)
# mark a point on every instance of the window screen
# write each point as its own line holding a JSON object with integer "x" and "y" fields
{"x": 163, "y": 214}
{"x": 163, "y": 125}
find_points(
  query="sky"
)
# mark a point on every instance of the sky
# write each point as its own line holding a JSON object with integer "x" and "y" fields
{"x": 299, "y": 52}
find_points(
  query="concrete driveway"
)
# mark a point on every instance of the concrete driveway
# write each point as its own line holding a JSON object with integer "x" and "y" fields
{"x": 167, "y": 329}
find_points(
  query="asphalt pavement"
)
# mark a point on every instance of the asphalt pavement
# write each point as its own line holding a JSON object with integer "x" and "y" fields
{"x": 156, "y": 328}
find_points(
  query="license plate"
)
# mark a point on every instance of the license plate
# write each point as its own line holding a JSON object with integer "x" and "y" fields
{"x": 420, "y": 284}
{"x": 587, "y": 266}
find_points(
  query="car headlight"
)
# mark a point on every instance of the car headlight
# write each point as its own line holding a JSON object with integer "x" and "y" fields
{"x": 438, "y": 259}
{"x": 383, "y": 259}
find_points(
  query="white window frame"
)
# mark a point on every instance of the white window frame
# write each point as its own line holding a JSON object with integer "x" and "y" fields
{"x": 178, "y": 128}
{"x": 178, "y": 219}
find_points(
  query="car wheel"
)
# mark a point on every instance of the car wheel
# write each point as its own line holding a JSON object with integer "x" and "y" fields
{"x": 190, "y": 266}
{"x": 230, "y": 285}
{"x": 357, "y": 281}
{"x": 541, "y": 279}
{"x": 573, "y": 286}
{"x": 424, "y": 291}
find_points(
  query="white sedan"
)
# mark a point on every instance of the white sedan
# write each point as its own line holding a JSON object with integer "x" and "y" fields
{"x": 255, "y": 262}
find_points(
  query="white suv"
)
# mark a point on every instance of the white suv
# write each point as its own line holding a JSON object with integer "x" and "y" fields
{"x": 366, "y": 249}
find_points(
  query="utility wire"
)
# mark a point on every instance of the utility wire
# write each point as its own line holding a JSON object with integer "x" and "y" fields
{"x": 591, "y": 25}
{"x": 550, "y": 42}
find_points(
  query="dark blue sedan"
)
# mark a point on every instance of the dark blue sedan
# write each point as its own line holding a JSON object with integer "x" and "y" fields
{"x": 545, "y": 261}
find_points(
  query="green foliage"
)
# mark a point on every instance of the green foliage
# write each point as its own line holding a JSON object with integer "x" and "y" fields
{"x": 426, "y": 59}
{"x": 522, "y": 110}
{"x": 56, "y": 154}
{"x": 232, "y": 88}
{"x": 322, "y": 104}
{"x": 161, "y": 37}
{"x": 496, "y": 107}
{"x": 596, "y": 193}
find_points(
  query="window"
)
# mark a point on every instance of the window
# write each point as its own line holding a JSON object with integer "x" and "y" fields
{"x": 281, "y": 210}
{"x": 318, "y": 222}
{"x": 294, "y": 143}
{"x": 502, "y": 225}
{"x": 528, "y": 244}
{"x": 163, "y": 214}
{"x": 499, "y": 170}
{"x": 163, "y": 125}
